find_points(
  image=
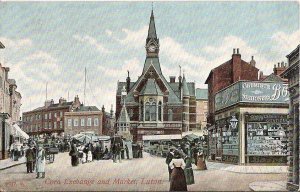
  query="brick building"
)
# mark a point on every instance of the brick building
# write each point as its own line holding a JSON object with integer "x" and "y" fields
{"x": 292, "y": 73}
{"x": 10, "y": 104}
{"x": 225, "y": 74}
{"x": 49, "y": 118}
{"x": 83, "y": 119}
{"x": 201, "y": 108}
{"x": 154, "y": 105}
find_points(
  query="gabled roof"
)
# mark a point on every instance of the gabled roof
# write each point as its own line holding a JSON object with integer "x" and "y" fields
{"x": 273, "y": 77}
{"x": 152, "y": 61}
{"x": 151, "y": 88}
{"x": 201, "y": 94}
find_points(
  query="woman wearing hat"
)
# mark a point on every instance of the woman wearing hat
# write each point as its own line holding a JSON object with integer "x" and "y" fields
{"x": 40, "y": 162}
{"x": 178, "y": 181}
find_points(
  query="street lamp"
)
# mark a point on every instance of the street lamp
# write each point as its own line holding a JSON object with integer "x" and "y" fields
{"x": 233, "y": 122}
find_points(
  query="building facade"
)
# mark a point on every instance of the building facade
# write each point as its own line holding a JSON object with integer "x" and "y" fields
{"x": 201, "y": 108}
{"x": 154, "y": 105}
{"x": 83, "y": 119}
{"x": 250, "y": 123}
{"x": 225, "y": 74}
{"x": 292, "y": 74}
{"x": 48, "y": 119}
{"x": 10, "y": 104}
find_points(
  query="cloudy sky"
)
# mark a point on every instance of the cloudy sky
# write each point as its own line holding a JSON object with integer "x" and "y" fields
{"x": 53, "y": 42}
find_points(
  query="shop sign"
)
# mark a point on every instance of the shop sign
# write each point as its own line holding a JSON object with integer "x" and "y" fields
{"x": 269, "y": 118}
{"x": 252, "y": 92}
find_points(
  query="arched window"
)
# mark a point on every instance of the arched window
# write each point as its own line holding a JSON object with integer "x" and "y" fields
{"x": 153, "y": 112}
{"x": 170, "y": 115}
{"x": 142, "y": 111}
{"x": 147, "y": 112}
{"x": 159, "y": 111}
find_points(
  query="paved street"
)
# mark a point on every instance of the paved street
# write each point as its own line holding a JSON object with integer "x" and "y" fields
{"x": 149, "y": 173}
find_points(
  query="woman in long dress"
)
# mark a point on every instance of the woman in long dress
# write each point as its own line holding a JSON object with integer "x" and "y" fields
{"x": 89, "y": 156}
{"x": 178, "y": 180}
{"x": 188, "y": 171}
{"x": 40, "y": 162}
{"x": 201, "y": 165}
{"x": 74, "y": 155}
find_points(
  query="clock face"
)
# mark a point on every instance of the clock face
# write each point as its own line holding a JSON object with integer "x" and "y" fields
{"x": 151, "y": 48}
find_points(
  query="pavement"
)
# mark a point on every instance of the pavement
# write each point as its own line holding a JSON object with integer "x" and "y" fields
{"x": 143, "y": 174}
{"x": 8, "y": 163}
{"x": 268, "y": 186}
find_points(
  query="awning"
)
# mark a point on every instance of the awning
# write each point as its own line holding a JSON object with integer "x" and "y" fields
{"x": 191, "y": 137}
{"x": 20, "y": 132}
{"x": 160, "y": 137}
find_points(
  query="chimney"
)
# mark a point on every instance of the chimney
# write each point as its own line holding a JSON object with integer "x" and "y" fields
{"x": 172, "y": 79}
{"x": 252, "y": 62}
{"x": 62, "y": 101}
{"x": 233, "y": 51}
{"x": 47, "y": 103}
{"x": 237, "y": 51}
{"x": 52, "y": 102}
{"x": 236, "y": 67}
{"x": 128, "y": 83}
{"x": 6, "y": 72}
{"x": 261, "y": 75}
{"x": 103, "y": 109}
{"x": 279, "y": 68}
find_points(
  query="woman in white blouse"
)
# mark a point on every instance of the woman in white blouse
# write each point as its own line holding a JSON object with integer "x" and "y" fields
{"x": 178, "y": 182}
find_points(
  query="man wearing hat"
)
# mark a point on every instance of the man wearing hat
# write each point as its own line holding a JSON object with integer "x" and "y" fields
{"x": 29, "y": 159}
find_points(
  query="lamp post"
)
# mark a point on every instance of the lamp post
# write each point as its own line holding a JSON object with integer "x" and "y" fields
{"x": 233, "y": 122}
{"x": 3, "y": 117}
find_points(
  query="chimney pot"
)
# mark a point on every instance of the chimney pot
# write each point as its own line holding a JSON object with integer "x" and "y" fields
{"x": 282, "y": 64}
{"x": 233, "y": 51}
{"x": 278, "y": 64}
{"x": 252, "y": 57}
{"x": 237, "y": 51}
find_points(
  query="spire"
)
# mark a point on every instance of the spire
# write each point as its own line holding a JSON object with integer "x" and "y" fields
{"x": 152, "y": 30}
{"x": 185, "y": 89}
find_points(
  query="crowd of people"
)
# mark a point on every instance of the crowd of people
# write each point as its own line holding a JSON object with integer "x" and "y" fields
{"x": 179, "y": 161}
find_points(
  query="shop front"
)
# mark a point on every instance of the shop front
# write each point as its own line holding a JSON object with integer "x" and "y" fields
{"x": 250, "y": 124}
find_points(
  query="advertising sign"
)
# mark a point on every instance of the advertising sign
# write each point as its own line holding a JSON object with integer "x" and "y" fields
{"x": 252, "y": 92}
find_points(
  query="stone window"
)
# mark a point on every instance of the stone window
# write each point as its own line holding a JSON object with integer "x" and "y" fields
{"x": 46, "y": 116}
{"x": 55, "y": 115}
{"x": 159, "y": 110}
{"x": 75, "y": 122}
{"x": 54, "y": 125}
{"x": 49, "y": 115}
{"x": 61, "y": 124}
{"x": 150, "y": 110}
{"x": 82, "y": 123}
{"x": 142, "y": 111}
{"x": 96, "y": 121}
{"x": 89, "y": 122}
{"x": 61, "y": 114}
{"x": 69, "y": 122}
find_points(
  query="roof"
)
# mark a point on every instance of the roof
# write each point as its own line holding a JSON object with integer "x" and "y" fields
{"x": 185, "y": 89}
{"x": 152, "y": 61}
{"x": 294, "y": 51}
{"x": 160, "y": 137}
{"x": 56, "y": 105}
{"x": 151, "y": 88}
{"x": 211, "y": 72}
{"x": 274, "y": 78}
{"x": 87, "y": 108}
{"x": 152, "y": 29}
{"x": 123, "y": 115}
{"x": 201, "y": 93}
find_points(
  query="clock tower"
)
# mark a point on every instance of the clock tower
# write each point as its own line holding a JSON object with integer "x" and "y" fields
{"x": 152, "y": 42}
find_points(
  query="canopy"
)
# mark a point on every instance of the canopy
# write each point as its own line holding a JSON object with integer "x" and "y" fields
{"x": 160, "y": 137}
{"x": 20, "y": 132}
{"x": 191, "y": 137}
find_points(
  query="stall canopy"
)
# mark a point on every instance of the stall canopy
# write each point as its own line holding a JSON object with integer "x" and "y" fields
{"x": 160, "y": 137}
{"x": 20, "y": 132}
{"x": 191, "y": 137}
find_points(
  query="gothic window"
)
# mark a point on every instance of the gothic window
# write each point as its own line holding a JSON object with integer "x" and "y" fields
{"x": 142, "y": 111}
{"x": 153, "y": 112}
{"x": 159, "y": 111}
{"x": 147, "y": 112}
{"x": 170, "y": 115}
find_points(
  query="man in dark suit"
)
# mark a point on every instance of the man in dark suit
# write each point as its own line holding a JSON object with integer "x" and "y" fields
{"x": 29, "y": 159}
{"x": 169, "y": 158}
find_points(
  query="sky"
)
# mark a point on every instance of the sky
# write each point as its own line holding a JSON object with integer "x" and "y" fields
{"x": 53, "y": 42}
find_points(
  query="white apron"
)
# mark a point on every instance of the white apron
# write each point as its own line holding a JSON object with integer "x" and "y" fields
{"x": 40, "y": 161}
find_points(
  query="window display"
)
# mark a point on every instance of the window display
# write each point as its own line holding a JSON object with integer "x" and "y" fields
{"x": 267, "y": 138}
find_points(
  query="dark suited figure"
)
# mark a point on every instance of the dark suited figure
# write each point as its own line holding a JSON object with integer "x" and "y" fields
{"x": 169, "y": 158}
{"x": 34, "y": 157}
{"x": 29, "y": 159}
{"x": 127, "y": 151}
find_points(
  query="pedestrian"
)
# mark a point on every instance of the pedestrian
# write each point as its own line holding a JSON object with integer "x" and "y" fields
{"x": 29, "y": 159}
{"x": 98, "y": 151}
{"x": 201, "y": 165}
{"x": 178, "y": 180}
{"x": 83, "y": 160}
{"x": 195, "y": 154}
{"x": 114, "y": 152}
{"x": 34, "y": 157}
{"x": 127, "y": 151}
{"x": 188, "y": 171}
{"x": 74, "y": 155}
{"x": 169, "y": 158}
{"x": 40, "y": 162}
{"x": 106, "y": 150}
{"x": 89, "y": 156}
{"x": 118, "y": 153}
